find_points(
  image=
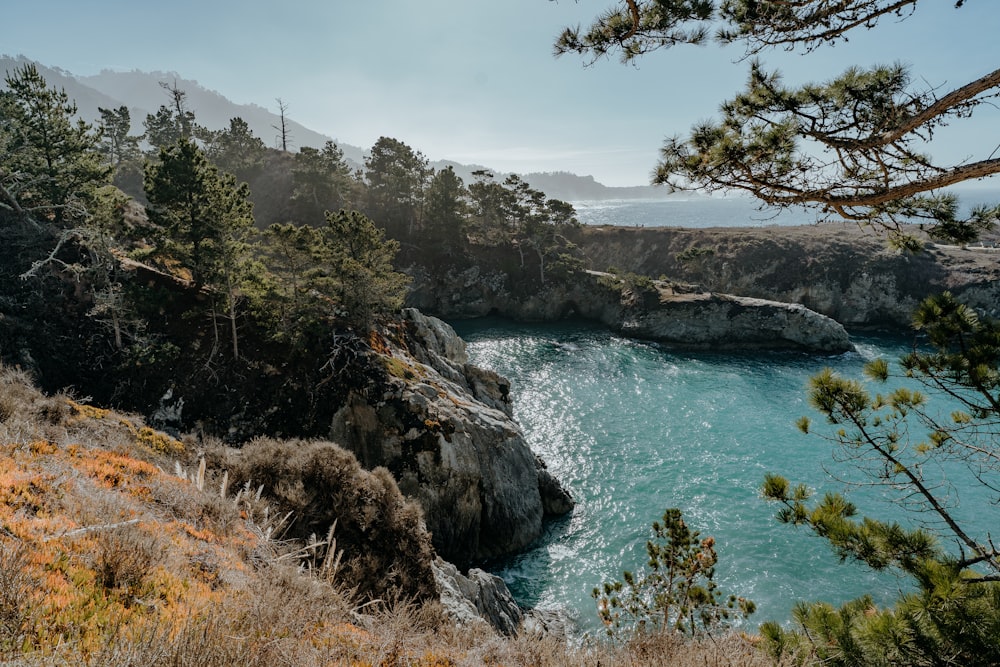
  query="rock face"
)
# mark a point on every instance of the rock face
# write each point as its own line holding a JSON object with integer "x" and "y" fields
{"x": 480, "y": 597}
{"x": 837, "y": 270}
{"x": 444, "y": 428}
{"x": 718, "y": 322}
{"x": 691, "y": 318}
{"x": 477, "y": 597}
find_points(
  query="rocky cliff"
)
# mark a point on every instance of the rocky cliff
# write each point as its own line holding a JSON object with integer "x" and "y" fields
{"x": 664, "y": 311}
{"x": 838, "y": 270}
{"x": 444, "y": 428}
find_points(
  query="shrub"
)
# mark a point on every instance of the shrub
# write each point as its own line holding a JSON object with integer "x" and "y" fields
{"x": 693, "y": 253}
{"x": 386, "y": 547}
{"x": 16, "y": 585}
{"x": 125, "y": 556}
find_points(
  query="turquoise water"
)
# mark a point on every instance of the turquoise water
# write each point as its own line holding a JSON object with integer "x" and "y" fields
{"x": 632, "y": 428}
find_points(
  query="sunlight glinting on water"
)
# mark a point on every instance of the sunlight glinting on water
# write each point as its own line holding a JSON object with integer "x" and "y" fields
{"x": 632, "y": 429}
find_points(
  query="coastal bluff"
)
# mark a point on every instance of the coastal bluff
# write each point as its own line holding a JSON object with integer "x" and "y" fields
{"x": 678, "y": 315}
{"x": 837, "y": 269}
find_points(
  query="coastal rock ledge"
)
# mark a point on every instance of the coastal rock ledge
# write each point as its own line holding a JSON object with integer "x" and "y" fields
{"x": 679, "y": 315}
{"x": 445, "y": 430}
{"x": 723, "y": 321}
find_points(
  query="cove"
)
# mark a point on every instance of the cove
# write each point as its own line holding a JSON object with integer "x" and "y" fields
{"x": 632, "y": 428}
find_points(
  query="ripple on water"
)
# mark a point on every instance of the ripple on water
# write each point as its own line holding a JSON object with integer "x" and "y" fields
{"x": 633, "y": 429}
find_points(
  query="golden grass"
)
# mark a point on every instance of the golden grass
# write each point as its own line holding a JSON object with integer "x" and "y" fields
{"x": 108, "y": 559}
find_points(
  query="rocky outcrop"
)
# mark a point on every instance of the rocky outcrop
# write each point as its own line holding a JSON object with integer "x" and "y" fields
{"x": 658, "y": 310}
{"x": 477, "y": 597}
{"x": 480, "y": 597}
{"x": 444, "y": 428}
{"x": 841, "y": 271}
{"x": 720, "y": 321}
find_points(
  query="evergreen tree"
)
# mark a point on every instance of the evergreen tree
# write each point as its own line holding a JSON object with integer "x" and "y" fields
{"x": 117, "y": 145}
{"x": 514, "y": 213}
{"x": 322, "y": 182}
{"x": 953, "y": 617}
{"x": 162, "y": 128}
{"x": 237, "y": 151}
{"x": 447, "y": 211}
{"x": 174, "y": 121}
{"x": 361, "y": 259}
{"x": 303, "y": 287}
{"x": 206, "y": 225}
{"x": 492, "y": 208}
{"x": 121, "y": 150}
{"x": 396, "y": 176}
{"x": 324, "y": 277}
{"x": 48, "y": 163}
{"x": 677, "y": 593}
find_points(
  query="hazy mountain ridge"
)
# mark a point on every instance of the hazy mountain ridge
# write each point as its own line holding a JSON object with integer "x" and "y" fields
{"x": 142, "y": 93}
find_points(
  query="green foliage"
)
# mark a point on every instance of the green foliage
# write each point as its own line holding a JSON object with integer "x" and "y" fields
{"x": 677, "y": 593}
{"x": 361, "y": 259}
{"x": 49, "y": 164}
{"x": 237, "y": 151}
{"x": 203, "y": 214}
{"x": 174, "y": 122}
{"x": 954, "y": 614}
{"x": 396, "y": 176}
{"x": 694, "y": 253}
{"x": 629, "y": 281}
{"x": 206, "y": 226}
{"x": 852, "y": 147}
{"x": 514, "y": 213}
{"x": 446, "y": 217}
{"x": 322, "y": 182}
{"x": 338, "y": 273}
{"x": 121, "y": 150}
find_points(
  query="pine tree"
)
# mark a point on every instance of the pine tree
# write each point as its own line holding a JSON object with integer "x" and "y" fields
{"x": 954, "y": 615}
{"x": 49, "y": 164}
{"x": 206, "y": 225}
{"x": 677, "y": 593}
{"x": 361, "y": 258}
{"x": 446, "y": 216}
{"x": 322, "y": 182}
{"x": 121, "y": 149}
{"x": 854, "y": 147}
{"x": 396, "y": 177}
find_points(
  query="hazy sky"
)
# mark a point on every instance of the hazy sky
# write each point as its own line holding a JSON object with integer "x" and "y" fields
{"x": 471, "y": 80}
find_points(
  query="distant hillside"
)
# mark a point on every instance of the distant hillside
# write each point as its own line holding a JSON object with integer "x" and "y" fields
{"x": 570, "y": 187}
{"x": 142, "y": 93}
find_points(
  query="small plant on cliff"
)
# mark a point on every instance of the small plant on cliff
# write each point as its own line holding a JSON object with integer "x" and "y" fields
{"x": 677, "y": 594}
{"x": 633, "y": 282}
{"x": 693, "y": 253}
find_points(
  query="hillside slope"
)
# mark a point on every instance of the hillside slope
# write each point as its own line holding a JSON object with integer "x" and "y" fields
{"x": 119, "y": 548}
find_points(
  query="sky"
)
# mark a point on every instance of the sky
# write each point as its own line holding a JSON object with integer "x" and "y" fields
{"x": 475, "y": 81}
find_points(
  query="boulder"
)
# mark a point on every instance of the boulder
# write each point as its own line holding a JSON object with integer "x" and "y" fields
{"x": 481, "y": 597}
{"x": 477, "y": 597}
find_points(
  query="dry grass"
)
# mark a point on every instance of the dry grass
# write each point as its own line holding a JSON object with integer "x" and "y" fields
{"x": 109, "y": 557}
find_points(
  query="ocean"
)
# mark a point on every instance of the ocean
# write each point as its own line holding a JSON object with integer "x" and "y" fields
{"x": 734, "y": 211}
{"x": 632, "y": 428}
